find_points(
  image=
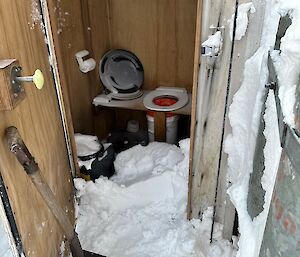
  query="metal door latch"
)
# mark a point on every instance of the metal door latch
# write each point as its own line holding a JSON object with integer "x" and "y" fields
{"x": 16, "y": 79}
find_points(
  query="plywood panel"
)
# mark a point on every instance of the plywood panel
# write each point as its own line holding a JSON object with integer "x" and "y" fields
{"x": 160, "y": 32}
{"x": 210, "y": 112}
{"x": 72, "y": 37}
{"x": 133, "y": 26}
{"x": 39, "y": 123}
{"x": 193, "y": 126}
{"x": 96, "y": 19}
{"x": 98, "y": 29}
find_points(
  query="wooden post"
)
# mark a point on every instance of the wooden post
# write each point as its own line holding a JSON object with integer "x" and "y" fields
{"x": 160, "y": 126}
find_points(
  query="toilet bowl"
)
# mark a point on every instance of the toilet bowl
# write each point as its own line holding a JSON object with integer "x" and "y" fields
{"x": 176, "y": 93}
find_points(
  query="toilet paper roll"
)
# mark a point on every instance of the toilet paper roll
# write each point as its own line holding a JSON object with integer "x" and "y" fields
{"x": 87, "y": 65}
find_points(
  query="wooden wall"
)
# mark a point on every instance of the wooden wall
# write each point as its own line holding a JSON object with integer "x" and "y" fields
{"x": 160, "y": 32}
{"x": 39, "y": 123}
{"x": 208, "y": 178}
{"x": 210, "y": 111}
{"x": 72, "y": 36}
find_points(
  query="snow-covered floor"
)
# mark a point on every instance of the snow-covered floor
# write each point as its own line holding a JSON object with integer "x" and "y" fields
{"x": 5, "y": 248}
{"x": 141, "y": 211}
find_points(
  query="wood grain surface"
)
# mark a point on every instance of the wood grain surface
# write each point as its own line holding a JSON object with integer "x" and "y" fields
{"x": 160, "y": 32}
{"x": 38, "y": 120}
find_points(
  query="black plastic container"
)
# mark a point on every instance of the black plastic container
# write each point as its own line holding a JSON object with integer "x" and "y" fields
{"x": 103, "y": 164}
{"x": 123, "y": 140}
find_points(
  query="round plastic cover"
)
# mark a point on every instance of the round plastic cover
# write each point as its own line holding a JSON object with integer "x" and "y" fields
{"x": 121, "y": 71}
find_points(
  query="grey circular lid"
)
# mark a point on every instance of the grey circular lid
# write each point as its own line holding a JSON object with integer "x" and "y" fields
{"x": 121, "y": 71}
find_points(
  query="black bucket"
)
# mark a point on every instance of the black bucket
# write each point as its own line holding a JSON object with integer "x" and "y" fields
{"x": 103, "y": 164}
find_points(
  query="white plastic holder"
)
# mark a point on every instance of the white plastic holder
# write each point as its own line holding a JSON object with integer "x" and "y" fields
{"x": 85, "y": 65}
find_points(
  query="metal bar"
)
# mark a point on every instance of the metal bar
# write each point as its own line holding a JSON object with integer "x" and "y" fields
{"x": 25, "y": 79}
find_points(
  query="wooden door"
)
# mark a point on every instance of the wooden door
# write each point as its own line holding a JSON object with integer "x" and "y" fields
{"x": 39, "y": 123}
{"x": 213, "y": 94}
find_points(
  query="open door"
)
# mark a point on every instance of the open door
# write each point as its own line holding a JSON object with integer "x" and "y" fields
{"x": 39, "y": 121}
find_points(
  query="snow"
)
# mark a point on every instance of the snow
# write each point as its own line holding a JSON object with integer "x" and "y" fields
{"x": 86, "y": 144}
{"x": 36, "y": 17}
{"x": 7, "y": 244}
{"x": 60, "y": 16}
{"x": 215, "y": 42}
{"x": 272, "y": 152}
{"x": 288, "y": 61}
{"x": 241, "y": 20}
{"x": 141, "y": 212}
{"x": 244, "y": 118}
{"x": 156, "y": 159}
{"x": 5, "y": 250}
{"x": 62, "y": 248}
{"x": 287, "y": 95}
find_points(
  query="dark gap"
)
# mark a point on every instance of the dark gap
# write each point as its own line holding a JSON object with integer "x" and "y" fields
{"x": 235, "y": 230}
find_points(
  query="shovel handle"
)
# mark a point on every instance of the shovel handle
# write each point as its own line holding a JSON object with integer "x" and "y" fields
{"x": 19, "y": 149}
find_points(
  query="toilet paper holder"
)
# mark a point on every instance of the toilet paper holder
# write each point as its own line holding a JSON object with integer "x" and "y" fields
{"x": 85, "y": 65}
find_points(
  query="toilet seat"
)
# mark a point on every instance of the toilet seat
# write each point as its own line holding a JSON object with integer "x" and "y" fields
{"x": 180, "y": 94}
{"x": 122, "y": 74}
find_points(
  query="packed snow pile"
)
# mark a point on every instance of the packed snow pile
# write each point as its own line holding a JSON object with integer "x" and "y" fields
{"x": 288, "y": 60}
{"x": 241, "y": 20}
{"x": 214, "y": 42}
{"x": 86, "y": 145}
{"x": 5, "y": 248}
{"x": 141, "y": 211}
{"x": 244, "y": 118}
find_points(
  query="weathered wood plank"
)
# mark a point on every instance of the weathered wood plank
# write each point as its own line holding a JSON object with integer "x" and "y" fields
{"x": 243, "y": 50}
{"x": 161, "y": 33}
{"x": 197, "y": 41}
{"x": 66, "y": 17}
{"x": 38, "y": 119}
{"x": 210, "y": 111}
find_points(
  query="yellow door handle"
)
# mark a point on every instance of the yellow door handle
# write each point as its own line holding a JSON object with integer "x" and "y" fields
{"x": 37, "y": 78}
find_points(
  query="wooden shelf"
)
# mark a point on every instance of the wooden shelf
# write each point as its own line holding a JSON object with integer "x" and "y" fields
{"x": 137, "y": 104}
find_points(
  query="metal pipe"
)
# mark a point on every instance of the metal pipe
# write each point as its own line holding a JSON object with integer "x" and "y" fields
{"x": 25, "y": 79}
